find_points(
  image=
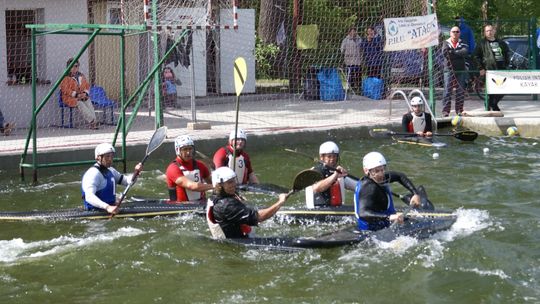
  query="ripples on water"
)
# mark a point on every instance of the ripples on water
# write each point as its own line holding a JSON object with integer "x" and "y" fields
{"x": 489, "y": 255}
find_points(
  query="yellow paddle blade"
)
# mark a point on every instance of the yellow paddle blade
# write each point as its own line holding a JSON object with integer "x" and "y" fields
{"x": 240, "y": 74}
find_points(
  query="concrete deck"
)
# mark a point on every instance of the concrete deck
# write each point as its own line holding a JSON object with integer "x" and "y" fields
{"x": 519, "y": 111}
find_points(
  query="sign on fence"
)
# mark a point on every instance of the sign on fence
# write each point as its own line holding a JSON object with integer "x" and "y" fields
{"x": 410, "y": 33}
{"x": 513, "y": 82}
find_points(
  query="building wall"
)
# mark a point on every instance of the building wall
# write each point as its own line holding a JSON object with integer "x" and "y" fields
{"x": 16, "y": 100}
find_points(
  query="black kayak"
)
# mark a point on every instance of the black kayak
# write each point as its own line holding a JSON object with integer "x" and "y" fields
{"x": 326, "y": 214}
{"x": 134, "y": 209}
{"x": 414, "y": 226}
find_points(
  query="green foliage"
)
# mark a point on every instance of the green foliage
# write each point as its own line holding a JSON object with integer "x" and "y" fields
{"x": 265, "y": 54}
{"x": 333, "y": 21}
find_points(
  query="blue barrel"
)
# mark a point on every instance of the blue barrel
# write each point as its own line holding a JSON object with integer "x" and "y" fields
{"x": 330, "y": 88}
{"x": 373, "y": 88}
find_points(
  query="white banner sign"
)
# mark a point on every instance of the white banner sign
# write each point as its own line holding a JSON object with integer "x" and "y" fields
{"x": 513, "y": 82}
{"x": 411, "y": 33}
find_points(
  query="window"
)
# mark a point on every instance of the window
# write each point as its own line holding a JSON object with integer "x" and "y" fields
{"x": 19, "y": 45}
{"x": 114, "y": 13}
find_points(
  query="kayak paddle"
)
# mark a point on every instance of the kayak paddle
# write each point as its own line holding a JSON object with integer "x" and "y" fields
{"x": 461, "y": 135}
{"x": 156, "y": 141}
{"x": 305, "y": 179}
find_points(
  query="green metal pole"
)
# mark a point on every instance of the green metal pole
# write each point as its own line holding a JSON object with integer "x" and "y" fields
{"x": 34, "y": 113}
{"x": 157, "y": 104}
{"x": 432, "y": 101}
{"x": 37, "y": 109}
{"x": 534, "y": 48}
{"x": 122, "y": 96}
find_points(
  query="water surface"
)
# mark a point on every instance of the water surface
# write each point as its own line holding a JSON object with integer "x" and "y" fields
{"x": 490, "y": 255}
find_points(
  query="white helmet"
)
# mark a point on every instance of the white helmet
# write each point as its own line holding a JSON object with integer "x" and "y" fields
{"x": 241, "y": 134}
{"x": 416, "y": 101}
{"x": 373, "y": 160}
{"x": 328, "y": 147}
{"x": 221, "y": 175}
{"x": 102, "y": 149}
{"x": 182, "y": 141}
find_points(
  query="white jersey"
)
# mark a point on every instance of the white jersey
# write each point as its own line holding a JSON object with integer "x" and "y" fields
{"x": 419, "y": 122}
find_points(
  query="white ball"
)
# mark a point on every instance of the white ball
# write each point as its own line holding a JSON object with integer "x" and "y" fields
{"x": 435, "y": 155}
{"x": 486, "y": 150}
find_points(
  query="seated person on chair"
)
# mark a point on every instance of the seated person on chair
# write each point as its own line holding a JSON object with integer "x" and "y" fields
{"x": 75, "y": 91}
{"x": 187, "y": 178}
{"x": 7, "y": 127}
{"x": 330, "y": 191}
{"x": 417, "y": 121}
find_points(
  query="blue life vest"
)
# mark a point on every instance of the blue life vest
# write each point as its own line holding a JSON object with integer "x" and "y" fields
{"x": 106, "y": 194}
{"x": 365, "y": 225}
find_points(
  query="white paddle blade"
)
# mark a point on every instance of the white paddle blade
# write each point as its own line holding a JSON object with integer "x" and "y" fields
{"x": 240, "y": 75}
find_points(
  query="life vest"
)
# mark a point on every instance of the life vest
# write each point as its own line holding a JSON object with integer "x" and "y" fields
{"x": 215, "y": 229}
{"x": 362, "y": 224}
{"x": 240, "y": 168}
{"x": 418, "y": 123}
{"x": 107, "y": 194}
{"x": 333, "y": 196}
{"x": 181, "y": 194}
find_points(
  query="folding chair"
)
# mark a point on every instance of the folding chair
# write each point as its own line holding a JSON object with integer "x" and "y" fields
{"x": 62, "y": 106}
{"x": 101, "y": 101}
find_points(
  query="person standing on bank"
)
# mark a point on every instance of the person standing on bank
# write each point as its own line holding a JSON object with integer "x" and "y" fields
{"x": 455, "y": 53}
{"x": 372, "y": 53}
{"x": 75, "y": 91}
{"x": 330, "y": 191}
{"x": 98, "y": 182}
{"x": 187, "y": 178}
{"x": 373, "y": 204}
{"x": 492, "y": 54}
{"x": 350, "y": 48}
{"x": 417, "y": 121}
{"x": 225, "y": 156}
{"x": 227, "y": 215}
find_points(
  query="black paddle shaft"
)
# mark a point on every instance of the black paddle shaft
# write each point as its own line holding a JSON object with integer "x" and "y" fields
{"x": 157, "y": 139}
{"x": 462, "y": 135}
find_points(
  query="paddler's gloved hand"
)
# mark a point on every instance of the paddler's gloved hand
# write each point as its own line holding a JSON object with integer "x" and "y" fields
{"x": 415, "y": 201}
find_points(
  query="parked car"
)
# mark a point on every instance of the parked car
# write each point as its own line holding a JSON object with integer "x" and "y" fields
{"x": 520, "y": 52}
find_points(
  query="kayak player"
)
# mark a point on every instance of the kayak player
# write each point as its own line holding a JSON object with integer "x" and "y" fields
{"x": 98, "y": 182}
{"x": 373, "y": 204}
{"x": 226, "y": 213}
{"x": 330, "y": 191}
{"x": 417, "y": 121}
{"x": 224, "y": 156}
{"x": 187, "y": 178}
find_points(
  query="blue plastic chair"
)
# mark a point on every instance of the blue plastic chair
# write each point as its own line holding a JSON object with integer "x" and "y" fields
{"x": 100, "y": 101}
{"x": 63, "y": 106}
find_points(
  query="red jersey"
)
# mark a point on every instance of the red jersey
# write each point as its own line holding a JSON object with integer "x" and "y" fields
{"x": 194, "y": 170}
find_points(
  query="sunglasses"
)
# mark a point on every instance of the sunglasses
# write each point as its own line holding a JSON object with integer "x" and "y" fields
{"x": 455, "y": 31}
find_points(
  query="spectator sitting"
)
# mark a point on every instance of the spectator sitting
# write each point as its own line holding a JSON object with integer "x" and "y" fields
{"x": 7, "y": 127}
{"x": 75, "y": 91}
{"x": 169, "y": 87}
